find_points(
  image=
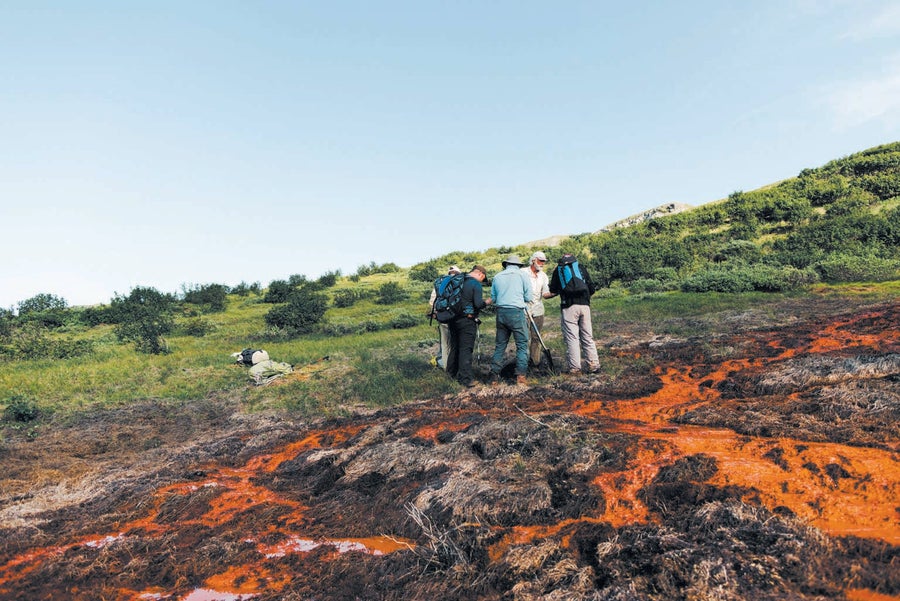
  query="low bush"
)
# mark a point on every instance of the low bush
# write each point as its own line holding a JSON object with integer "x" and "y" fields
{"x": 245, "y": 289}
{"x": 303, "y": 310}
{"x": 346, "y": 298}
{"x": 31, "y": 341}
{"x": 95, "y": 316}
{"x": 329, "y": 279}
{"x": 425, "y": 272}
{"x": 278, "y": 292}
{"x": 390, "y": 293}
{"x": 144, "y": 316}
{"x": 645, "y": 285}
{"x": 750, "y": 277}
{"x": 373, "y": 268}
{"x": 842, "y": 267}
{"x": 210, "y": 298}
{"x": 403, "y": 321}
{"x": 197, "y": 327}
{"x": 20, "y": 409}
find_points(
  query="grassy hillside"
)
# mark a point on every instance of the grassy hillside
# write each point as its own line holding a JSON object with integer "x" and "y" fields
{"x": 823, "y": 232}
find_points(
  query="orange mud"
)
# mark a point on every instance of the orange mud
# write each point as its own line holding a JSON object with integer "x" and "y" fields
{"x": 840, "y": 489}
{"x": 233, "y": 502}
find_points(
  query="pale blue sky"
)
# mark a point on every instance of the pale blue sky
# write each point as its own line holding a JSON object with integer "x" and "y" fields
{"x": 168, "y": 143}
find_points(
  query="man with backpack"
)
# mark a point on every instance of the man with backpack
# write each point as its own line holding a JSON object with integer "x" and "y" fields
{"x": 464, "y": 327}
{"x": 573, "y": 284}
{"x": 511, "y": 294}
{"x": 443, "y": 328}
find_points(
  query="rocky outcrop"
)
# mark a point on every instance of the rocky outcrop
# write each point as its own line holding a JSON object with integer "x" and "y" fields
{"x": 671, "y": 208}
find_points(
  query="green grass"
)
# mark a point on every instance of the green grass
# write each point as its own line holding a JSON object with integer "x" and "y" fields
{"x": 371, "y": 369}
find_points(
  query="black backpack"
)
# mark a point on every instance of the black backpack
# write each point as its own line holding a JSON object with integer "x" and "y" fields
{"x": 448, "y": 301}
{"x": 570, "y": 279}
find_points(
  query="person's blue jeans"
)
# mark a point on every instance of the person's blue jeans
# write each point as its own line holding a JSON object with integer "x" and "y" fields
{"x": 511, "y": 322}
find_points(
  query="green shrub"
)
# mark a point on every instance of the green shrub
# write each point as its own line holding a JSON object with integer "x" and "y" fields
{"x": 209, "y": 297}
{"x": 329, "y": 278}
{"x": 48, "y": 310}
{"x": 846, "y": 206}
{"x": 30, "y": 341}
{"x": 841, "y": 267}
{"x": 742, "y": 250}
{"x": 746, "y": 278}
{"x": 823, "y": 191}
{"x": 882, "y": 185}
{"x": 197, "y": 327}
{"x": 6, "y": 324}
{"x": 303, "y": 310}
{"x": 42, "y": 302}
{"x": 425, "y": 272}
{"x": 373, "y": 268}
{"x": 95, "y": 316}
{"x": 390, "y": 293}
{"x": 346, "y": 298}
{"x": 244, "y": 289}
{"x": 647, "y": 285}
{"x": 20, "y": 409}
{"x": 403, "y": 321}
{"x": 716, "y": 280}
{"x": 145, "y": 315}
{"x": 278, "y": 292}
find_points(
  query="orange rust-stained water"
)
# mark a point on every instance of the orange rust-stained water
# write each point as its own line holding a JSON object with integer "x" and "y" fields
{"x": 234, "y": 495}
{"x": 863, "y": 503}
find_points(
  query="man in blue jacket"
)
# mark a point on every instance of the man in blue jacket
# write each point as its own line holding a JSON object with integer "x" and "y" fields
{"x": 511, "y": 293}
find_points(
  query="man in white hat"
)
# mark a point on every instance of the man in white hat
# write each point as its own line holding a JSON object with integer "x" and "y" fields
{"x": 511, "y": 294}
{"x": 540, "y": 289}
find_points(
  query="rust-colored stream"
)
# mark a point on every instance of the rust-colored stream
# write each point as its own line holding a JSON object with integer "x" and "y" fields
{"x": 863, "y": 502}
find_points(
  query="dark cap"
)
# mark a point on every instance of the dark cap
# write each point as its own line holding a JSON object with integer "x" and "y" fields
{"x": 566, "y": 259}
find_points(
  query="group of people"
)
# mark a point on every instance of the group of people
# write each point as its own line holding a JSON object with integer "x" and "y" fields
{"x": 517, "y": 293}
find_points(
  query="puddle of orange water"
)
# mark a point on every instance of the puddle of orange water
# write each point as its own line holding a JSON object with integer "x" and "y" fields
{"x": 861, "y": 594}
{"x": 431, "y": 431}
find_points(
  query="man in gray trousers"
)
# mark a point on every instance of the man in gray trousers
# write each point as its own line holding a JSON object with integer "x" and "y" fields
{"x": 573, "y": 284}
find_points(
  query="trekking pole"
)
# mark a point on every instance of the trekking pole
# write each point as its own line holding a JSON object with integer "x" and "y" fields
{"x": 478, "y": 339}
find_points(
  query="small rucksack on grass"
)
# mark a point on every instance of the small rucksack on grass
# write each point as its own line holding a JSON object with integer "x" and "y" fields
{"x": 250, "y": 356}
{"x": 448, "y": 301}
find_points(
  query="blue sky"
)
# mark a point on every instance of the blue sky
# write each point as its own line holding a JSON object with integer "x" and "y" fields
{"x": 180, "y": 143}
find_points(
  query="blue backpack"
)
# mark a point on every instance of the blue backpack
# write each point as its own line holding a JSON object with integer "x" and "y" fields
{"x": 570, "y": 279}
{"x": 448, "y": 302}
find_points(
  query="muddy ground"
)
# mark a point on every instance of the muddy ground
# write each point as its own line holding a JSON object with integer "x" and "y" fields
{"x": 757, "y": 462}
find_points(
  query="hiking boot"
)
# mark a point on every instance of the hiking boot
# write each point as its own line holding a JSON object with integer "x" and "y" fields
{"x": 472, "y": 384}
{"x": 574, "y": 372}
{"x": 592, "y": 369}
{"x": 520, "y": 379}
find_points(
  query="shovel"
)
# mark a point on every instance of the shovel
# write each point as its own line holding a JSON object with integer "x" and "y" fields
{"x": 541, "y": 340}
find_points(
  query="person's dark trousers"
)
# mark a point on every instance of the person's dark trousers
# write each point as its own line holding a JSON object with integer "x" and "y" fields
{"x": 463, "y": 331}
